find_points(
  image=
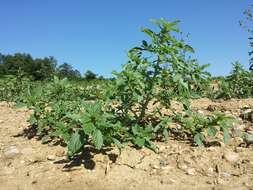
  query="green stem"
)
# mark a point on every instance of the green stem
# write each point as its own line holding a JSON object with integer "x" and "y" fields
{"x": 144, "y": 105}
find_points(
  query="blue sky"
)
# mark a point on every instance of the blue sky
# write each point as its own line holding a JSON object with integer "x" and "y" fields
{"x": 96, "y": 34}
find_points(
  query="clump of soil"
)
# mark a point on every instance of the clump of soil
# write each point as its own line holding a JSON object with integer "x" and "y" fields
{"x": 28, "y": 164}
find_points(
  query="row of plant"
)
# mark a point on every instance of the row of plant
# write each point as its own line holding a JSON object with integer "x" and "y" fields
{"x": 239, "y": 84}
{"x": 24, "y": 91}
{"x": 128, "y": 109}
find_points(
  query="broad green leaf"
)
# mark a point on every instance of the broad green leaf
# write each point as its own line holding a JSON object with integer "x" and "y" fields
{"x": 177, "y": 77}
{"x": 248, "y": 138}
{"x": 184, "y": 84}
{"x": 75, "y": 117}
{"x": 189, "y": 48}
{"x": 57, "y": 133}
{"x": 212, "y": 131}
{"x": 150, "y": 145}
{"x": 98, "y": 139}
{"x": 158, "y": 127}
{"x": 145, "y": 44}
{"x": 198, "y": 139}
{"x": 76, "y": 143}
{"x": 226, "y": 135}
{"x": 148, "y": 31}
{"x": 140, "y": 142}
{"x": 135, "y": 129}
{"x": 20, "y": 105}
{"x": 66, "y": 137}
{"x": 32, "y": 120}
{"x": 88, "y": 128}
{"x": 165, "y": 134}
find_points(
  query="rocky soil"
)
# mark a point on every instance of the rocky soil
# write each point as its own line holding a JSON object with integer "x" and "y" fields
{"x": 28, "y": 165}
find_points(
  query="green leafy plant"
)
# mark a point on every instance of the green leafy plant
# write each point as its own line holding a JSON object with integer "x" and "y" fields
{"x": 129, "y": 108}
{"x": 157, "y": 71}
{"x": 206, "y": 128}
{"x": 239, "y": 84}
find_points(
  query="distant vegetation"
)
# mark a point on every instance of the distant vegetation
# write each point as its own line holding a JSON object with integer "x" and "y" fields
{"x": 24, "y": 65}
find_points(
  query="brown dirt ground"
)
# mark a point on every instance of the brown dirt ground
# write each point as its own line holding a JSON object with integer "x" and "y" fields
{"x": 178, "y": 165}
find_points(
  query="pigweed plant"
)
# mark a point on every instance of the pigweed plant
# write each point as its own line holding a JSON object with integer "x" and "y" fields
{"x": 206, "y": 130}
{"x": 128, "y": 110}
{"x": 239, "y": 84}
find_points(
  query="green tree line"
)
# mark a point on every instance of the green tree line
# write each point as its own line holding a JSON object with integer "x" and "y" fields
{"x": 22, "y": 64}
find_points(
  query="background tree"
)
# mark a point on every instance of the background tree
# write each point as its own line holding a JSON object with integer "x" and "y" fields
{"x": 101, "y": 78}
{"x": 38, "y": 69}
{"x": 24, "y": 65}
{"x": 44, "y": 68}
{"x": 66, "y": 70}
{"x": 89, "y": 75}
{"x": 2, "y": 68}
{"x": 18, "y": 62}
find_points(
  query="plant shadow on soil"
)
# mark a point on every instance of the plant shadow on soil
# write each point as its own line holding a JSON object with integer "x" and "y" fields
{"x": 85, "y": 158}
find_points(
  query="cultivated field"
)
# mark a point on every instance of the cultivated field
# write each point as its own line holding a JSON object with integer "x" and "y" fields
{"x": 162, "y": 122}
{"x": 28, "y": 164}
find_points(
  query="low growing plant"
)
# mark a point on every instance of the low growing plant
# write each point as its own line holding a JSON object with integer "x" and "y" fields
{"x": 204, "y": 129}
{"x": 239, "y": 84}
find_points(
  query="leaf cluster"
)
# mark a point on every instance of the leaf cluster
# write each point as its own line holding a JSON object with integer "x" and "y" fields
{"x": 239, "y": 84}
{"x": 206, "y": 129}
